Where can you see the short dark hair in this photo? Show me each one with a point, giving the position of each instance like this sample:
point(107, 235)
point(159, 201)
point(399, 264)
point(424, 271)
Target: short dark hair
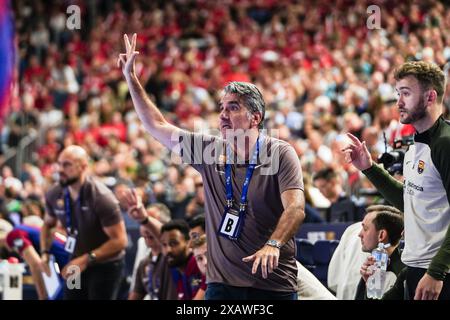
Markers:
point(326, 174)
point(391, 222)
point(177, 224)
point(382, 207)
point(250, 95)
point(429, 75)
point(198, 220)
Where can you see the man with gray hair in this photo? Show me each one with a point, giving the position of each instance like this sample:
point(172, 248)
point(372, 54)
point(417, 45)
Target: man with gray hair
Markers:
point(255, 205)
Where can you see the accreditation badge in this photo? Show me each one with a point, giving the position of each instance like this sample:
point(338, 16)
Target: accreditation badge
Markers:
point(70, 243)
point(230, 225)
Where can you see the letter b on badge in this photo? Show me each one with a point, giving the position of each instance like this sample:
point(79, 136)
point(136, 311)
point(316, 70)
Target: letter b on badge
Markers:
point(70, 244)
point(229, 224)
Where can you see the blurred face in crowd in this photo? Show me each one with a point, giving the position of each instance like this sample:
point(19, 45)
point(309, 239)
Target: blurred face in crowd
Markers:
point(411, 100)
point(329, 188)
point(200, 257)
point(71, 165)
point(175, 247)
point(368, 234)
point(195, 233)
point(234, 115)
point(150, 240)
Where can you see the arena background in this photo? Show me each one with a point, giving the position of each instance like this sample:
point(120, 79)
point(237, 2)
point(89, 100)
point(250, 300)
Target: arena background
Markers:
point(325, 68)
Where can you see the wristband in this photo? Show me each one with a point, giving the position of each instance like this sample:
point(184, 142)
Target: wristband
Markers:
point(145, 221)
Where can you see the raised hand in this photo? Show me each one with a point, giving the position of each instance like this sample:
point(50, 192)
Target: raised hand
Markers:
point(132, 202)
point(127, 60)
point(357, 153)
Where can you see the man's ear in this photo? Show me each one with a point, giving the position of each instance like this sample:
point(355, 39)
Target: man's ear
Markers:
point(382, 235)
point(256, 119)
point(431, 97)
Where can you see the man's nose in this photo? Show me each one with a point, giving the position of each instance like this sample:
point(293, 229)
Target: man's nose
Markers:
point(224, 114)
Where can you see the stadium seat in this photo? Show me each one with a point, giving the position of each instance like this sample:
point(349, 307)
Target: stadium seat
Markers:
point(304, 253)
point(322, 252)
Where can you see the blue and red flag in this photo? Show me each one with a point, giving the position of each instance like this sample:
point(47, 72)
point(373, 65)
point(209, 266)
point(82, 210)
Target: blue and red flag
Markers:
point(7, 56)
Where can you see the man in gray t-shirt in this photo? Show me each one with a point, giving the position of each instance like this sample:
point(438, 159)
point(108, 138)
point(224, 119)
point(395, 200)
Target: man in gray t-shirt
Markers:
point(253, 191)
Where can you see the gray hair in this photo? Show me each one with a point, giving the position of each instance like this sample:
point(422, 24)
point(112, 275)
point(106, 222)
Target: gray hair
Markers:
point(251, 96)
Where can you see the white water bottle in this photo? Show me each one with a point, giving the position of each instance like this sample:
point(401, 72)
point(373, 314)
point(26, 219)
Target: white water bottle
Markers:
point(375, 282)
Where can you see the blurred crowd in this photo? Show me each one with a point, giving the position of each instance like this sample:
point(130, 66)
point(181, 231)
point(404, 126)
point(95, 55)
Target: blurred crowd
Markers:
point(322, 72)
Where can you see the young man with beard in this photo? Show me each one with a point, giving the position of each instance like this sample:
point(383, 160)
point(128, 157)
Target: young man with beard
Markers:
point(254, 200)
point(174, 239)
point(191, 284)
point(424, 196)
point(96, 236)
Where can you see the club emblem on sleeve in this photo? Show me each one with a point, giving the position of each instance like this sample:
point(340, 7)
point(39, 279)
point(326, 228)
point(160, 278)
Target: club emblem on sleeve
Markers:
point(420, 167)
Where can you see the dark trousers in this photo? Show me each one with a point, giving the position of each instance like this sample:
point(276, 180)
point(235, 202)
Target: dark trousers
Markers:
point(98, 282)
point(220, 291)
point(413, 276)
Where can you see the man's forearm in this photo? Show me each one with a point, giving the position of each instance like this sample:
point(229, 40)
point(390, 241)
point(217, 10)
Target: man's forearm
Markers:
point(390, 189)
point(46, 238)
point(289, 222)
point(153, 225)
point(109, 249)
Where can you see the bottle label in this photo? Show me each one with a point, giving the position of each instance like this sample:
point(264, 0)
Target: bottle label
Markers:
point(381, 259)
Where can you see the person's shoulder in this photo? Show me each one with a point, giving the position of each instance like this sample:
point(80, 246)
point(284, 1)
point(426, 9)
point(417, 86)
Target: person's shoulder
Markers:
point(275, 141)
point(442, 135)
point(440, 146)
point(352, 230)
point(203, 136)
point(442, 140)
point(54, 192)
point(277, 145)
point(98, 187)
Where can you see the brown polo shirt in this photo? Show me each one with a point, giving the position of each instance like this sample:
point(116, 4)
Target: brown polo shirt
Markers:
point(278, 172)
point(96, 208)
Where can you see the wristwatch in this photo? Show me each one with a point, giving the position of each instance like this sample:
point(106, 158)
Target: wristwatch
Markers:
point(273, 243)
point(92, 258)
